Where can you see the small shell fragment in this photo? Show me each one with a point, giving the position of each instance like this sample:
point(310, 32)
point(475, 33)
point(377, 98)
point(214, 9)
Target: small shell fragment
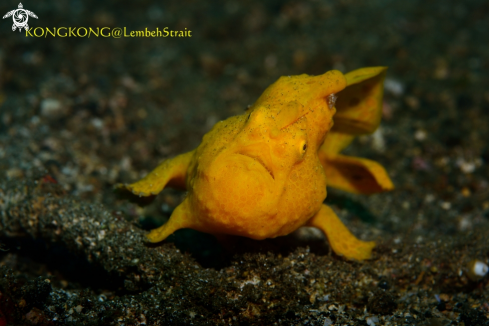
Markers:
point(331, 99)
point(477, 269)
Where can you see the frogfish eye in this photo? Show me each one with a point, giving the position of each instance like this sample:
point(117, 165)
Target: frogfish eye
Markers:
point(304, 147)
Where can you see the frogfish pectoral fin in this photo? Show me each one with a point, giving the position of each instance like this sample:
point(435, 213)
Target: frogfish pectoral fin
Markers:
point(171, 173)
point(342, 241)
point(354, 174)
point(180, 218)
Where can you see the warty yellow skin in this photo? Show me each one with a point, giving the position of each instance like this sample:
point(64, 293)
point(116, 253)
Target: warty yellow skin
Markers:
point(264, 173)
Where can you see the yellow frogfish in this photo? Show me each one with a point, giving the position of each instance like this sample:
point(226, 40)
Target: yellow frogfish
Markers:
point(263, 174)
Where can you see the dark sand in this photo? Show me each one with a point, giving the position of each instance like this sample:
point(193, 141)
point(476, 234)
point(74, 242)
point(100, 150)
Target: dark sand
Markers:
point(78, 115)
